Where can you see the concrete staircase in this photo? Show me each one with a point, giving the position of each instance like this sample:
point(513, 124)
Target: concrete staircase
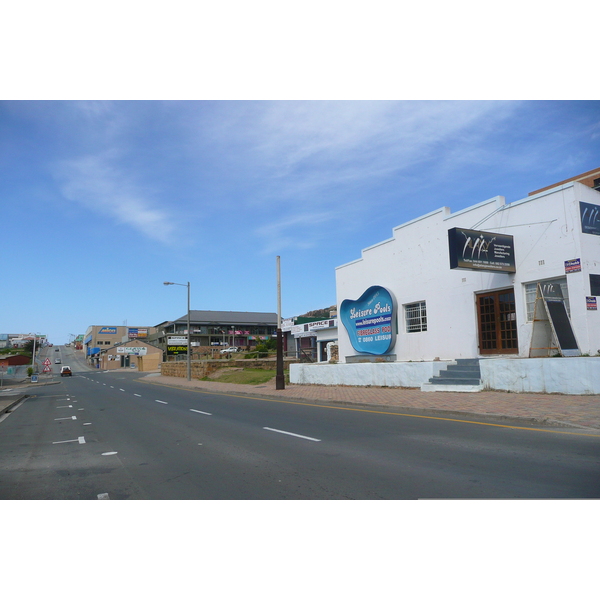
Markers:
point(462, 376)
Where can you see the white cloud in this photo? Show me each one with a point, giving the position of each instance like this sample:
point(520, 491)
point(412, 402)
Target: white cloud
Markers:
point(293, 231)
point(96, 184)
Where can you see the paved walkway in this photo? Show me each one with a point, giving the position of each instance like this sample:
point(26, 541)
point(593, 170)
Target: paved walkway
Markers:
point(578, 411)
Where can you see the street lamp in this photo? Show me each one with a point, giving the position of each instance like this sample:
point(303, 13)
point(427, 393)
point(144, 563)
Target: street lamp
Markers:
point(189, 345)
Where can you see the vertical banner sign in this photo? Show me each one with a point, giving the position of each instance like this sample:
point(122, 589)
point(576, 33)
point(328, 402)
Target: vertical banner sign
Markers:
point(371, 321)
point(590, 218)
point(481, 250)
point(559, 319)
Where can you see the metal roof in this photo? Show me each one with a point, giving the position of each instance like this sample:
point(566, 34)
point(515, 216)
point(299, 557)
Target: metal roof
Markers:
point(225, 317)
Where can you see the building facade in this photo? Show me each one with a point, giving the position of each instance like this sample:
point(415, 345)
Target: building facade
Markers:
point(215, 329)
point(100, 337)
point(480, 282)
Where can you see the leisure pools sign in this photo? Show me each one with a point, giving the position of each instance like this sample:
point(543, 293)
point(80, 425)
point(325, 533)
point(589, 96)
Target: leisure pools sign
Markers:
point(371, 321)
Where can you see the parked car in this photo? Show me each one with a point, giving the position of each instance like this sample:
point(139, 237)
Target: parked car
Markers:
point(230, 349)
point(65, 371)
point(57, 361)
point(56, 349)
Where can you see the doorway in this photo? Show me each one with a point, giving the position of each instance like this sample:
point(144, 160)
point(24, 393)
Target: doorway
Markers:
point(497, 318)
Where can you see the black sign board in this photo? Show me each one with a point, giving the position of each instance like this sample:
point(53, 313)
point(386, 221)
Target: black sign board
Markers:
point(590, 218)
point(594, 285)
point(481, 250)
point(557, 314)
point(175, 350)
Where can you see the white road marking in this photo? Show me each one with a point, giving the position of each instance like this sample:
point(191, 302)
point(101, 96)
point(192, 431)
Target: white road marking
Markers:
point(294, 434)
point(161, 401)
point(108, 453)
point(103, 497)
point(112, 386)
point(87, 423)
point(80, 439)
point(201, 412)
point(69, 406)
point(138, 395)
point(122, 389)
point(65, 418)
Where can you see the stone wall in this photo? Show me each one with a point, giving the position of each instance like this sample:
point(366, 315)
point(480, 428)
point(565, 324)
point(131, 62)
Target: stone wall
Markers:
point(204, 368)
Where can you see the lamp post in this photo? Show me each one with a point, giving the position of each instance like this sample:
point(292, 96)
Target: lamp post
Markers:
point(189, 344)
point(33, 354)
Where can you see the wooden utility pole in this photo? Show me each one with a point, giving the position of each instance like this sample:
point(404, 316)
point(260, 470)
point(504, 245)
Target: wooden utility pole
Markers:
point(279, 376)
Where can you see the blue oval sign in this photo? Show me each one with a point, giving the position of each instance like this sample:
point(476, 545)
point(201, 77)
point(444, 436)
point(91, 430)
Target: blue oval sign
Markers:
point(370, 321)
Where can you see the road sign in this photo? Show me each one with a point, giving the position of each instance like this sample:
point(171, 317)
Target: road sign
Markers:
point(47, 369)
point(47, 362)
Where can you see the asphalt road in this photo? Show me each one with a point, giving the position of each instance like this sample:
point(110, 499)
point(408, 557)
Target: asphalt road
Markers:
point(100, 435)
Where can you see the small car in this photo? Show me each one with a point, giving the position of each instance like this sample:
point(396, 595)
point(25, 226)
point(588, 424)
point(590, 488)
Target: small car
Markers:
point(230, 349)
point(65, 371)
point(56, 349)
point(57, 361)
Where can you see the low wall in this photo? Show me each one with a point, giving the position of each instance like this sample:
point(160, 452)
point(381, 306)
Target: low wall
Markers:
point(203, 368)
point(576, 375)
point(573, 375)
point(398, 374)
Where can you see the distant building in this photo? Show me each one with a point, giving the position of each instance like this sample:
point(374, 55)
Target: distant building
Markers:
point(309, 339)
point(214, 329)
point(100, 337)
point(134, 353)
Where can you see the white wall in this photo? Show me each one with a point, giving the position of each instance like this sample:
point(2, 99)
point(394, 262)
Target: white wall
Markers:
point(579, 375)
point(414, 266)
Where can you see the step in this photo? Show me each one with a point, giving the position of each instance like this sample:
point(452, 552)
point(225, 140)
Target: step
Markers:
point(455, 380)
point(431, 387)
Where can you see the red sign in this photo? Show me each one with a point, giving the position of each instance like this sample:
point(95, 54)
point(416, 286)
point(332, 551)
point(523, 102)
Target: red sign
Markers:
point(47, 369)
point(46, 362)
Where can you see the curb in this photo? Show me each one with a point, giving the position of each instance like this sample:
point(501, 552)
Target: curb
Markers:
point(8, 407)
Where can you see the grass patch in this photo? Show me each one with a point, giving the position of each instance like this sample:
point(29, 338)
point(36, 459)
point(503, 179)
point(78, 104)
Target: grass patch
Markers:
point(247, 376)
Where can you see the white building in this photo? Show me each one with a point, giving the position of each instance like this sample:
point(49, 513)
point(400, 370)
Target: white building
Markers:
point(463, 285)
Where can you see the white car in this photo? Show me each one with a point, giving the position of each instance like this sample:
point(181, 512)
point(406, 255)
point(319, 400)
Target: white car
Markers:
point(230, 349)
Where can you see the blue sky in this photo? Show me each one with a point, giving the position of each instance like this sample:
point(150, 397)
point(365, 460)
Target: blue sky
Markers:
point(102, 201)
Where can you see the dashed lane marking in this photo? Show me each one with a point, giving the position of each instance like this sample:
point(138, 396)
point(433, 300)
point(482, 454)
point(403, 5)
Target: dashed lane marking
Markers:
point(305, 437)
point(80, 439)
point(201, 412)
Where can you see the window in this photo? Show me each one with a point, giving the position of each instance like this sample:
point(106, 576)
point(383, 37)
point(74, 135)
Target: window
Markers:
point(416, 317)
point(531, 290)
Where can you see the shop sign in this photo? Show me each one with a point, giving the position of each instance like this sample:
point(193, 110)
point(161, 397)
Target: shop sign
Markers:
point(180, 340)
point(590, 218)
point(481, 250)
point(138, 351)
point(135, 332)
point(173, 350)
point(573, 266)
point(371, 321)
point(591, 303)
point(321, 324)
point(107, 330)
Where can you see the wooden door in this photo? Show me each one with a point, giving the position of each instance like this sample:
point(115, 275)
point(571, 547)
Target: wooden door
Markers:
point(497, 322)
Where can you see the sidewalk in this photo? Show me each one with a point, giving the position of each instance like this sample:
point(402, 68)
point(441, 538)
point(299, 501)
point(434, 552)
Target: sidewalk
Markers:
point(571, 411)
